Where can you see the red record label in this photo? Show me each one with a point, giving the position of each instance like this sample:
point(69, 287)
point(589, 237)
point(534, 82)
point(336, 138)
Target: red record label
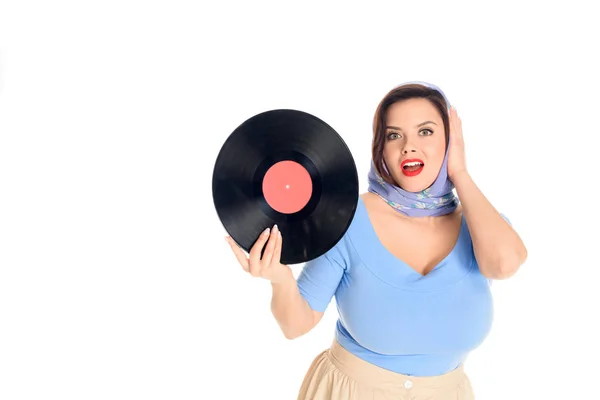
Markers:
point(287, 187)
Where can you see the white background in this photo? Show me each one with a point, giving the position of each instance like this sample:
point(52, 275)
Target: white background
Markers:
point(115, 279)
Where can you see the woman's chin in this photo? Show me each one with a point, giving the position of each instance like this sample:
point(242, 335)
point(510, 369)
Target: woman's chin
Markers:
point(413, 186)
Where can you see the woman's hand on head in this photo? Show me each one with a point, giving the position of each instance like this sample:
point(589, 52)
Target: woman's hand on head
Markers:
point(267, 266)
point(457, 164)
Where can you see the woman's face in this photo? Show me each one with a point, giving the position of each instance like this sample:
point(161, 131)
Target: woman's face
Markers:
point(415, 143)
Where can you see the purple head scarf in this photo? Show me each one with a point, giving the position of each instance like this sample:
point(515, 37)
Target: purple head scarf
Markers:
point(436, 200)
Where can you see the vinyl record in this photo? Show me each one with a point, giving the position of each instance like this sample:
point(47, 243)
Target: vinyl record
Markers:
point(289, 168)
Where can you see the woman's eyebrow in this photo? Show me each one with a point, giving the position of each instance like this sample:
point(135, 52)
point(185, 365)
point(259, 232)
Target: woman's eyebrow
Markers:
point(421, 124)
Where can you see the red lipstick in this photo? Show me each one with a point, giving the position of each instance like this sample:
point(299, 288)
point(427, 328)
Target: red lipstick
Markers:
point(412, 170)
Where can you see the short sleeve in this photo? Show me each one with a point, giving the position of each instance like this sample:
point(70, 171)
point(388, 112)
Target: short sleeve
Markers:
point(320, 278)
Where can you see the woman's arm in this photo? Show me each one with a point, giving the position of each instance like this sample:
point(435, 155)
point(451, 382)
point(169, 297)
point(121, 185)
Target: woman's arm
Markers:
point(498, 248)
point(291, 310)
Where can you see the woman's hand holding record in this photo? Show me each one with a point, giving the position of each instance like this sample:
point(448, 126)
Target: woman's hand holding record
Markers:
point(266, 265)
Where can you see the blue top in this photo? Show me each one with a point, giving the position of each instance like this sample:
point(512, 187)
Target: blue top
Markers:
point(392, 316)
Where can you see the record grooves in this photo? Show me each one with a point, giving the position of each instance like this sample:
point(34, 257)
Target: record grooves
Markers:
point(289, 168)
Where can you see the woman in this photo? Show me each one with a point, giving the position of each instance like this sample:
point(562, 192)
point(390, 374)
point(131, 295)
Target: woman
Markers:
point(411, 275)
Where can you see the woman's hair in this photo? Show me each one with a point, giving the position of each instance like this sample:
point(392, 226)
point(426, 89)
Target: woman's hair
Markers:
point(404, 92)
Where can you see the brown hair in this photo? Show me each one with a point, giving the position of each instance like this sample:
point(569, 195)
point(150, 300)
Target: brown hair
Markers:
point(404, 92)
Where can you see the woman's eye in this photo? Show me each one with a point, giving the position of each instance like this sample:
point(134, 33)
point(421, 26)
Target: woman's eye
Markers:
point(429, 131)
point(393, 135)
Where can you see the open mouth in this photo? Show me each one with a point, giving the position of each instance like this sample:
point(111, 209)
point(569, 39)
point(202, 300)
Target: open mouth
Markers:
point(412, 167)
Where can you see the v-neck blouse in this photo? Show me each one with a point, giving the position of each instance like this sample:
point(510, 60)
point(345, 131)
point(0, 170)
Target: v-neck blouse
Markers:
point(393, 316)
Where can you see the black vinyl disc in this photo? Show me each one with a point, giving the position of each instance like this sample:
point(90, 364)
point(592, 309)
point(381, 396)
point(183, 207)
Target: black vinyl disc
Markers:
point(289, 168)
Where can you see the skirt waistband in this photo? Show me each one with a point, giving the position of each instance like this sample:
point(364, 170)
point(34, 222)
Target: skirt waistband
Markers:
point(375, 376)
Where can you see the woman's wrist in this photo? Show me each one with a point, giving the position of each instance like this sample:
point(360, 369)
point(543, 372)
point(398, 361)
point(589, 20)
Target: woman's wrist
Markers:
point(285, 278)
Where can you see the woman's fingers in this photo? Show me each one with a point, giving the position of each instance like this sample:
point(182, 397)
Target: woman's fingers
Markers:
point(256, 251)
point(277, 251)
point(258, 262)
point(268, 254)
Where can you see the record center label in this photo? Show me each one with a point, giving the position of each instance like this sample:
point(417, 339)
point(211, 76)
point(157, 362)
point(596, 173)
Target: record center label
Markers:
point(287, 187)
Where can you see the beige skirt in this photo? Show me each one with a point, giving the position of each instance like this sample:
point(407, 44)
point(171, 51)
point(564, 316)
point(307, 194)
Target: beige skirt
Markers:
point(337, 374)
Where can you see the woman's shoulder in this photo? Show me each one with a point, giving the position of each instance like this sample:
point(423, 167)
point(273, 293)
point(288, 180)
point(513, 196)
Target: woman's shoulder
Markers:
point(370, 199)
